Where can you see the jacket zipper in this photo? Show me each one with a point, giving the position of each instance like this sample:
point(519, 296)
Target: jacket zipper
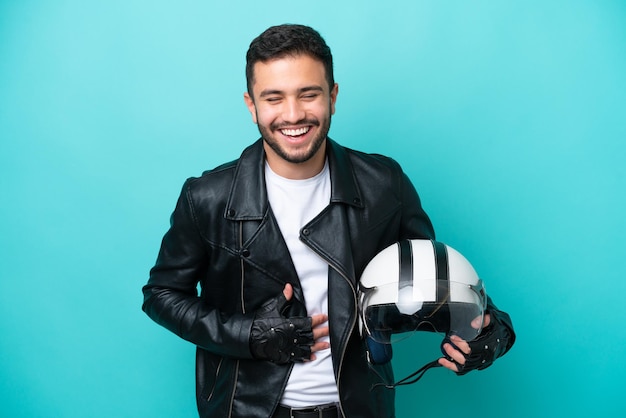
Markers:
point(352, 324)
point(232, 398)
point(243, 306)
point(343, 350)
point(243, 310)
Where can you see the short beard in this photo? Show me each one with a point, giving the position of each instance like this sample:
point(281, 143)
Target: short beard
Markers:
point(299, 158)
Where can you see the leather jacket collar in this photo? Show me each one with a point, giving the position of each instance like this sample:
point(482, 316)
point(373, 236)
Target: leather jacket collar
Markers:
point(248, 197)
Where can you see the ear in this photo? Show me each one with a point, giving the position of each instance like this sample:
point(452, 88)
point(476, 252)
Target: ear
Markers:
point(250, 105)
point(333, 98)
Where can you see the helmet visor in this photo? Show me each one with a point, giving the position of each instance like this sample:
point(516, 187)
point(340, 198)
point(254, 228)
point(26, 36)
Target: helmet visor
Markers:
point(389, 314)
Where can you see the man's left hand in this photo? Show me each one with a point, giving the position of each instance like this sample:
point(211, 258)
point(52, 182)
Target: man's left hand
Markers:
point(458, 355)
point(463, 357)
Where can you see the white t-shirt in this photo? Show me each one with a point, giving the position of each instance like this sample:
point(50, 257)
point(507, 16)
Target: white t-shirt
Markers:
point(295, 203)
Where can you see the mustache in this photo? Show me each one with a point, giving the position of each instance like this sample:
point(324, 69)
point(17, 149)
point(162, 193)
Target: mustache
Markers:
point(306, 121)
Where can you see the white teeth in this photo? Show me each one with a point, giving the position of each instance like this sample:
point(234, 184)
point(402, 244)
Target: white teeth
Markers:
point(294, 132)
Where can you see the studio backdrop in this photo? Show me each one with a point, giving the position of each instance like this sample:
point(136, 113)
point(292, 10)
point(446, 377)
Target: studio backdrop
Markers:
point(508, 117)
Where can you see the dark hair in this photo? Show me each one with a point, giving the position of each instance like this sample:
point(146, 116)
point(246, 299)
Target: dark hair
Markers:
point(288, 40)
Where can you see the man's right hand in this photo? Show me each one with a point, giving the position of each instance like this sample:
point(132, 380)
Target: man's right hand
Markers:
point(279, 339)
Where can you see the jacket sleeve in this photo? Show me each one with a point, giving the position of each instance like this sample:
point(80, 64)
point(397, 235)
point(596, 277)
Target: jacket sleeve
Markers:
point(171, 297)
point(501, 319)
point(415, 223)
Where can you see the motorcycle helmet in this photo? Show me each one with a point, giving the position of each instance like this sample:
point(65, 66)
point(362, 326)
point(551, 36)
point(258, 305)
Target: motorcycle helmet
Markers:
point(418, 285)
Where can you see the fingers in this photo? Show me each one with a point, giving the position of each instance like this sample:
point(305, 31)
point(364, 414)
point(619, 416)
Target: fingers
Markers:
point(455, 355)
point(318, 346)
point(288, 291)
point(448, 364)
point(460, 344)
point(318, 319)
point(319, 332)
point(478, 321)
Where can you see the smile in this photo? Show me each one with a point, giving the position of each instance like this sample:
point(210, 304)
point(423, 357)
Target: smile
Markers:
point(295, 132)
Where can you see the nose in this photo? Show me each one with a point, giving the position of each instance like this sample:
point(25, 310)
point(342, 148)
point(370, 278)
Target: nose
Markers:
point(293, 111)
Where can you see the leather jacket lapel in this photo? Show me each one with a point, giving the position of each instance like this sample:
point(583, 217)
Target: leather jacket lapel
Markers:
point(265, 249)
point(247, 199)
point(329, 237)
point(344, 188)
point(261, 242)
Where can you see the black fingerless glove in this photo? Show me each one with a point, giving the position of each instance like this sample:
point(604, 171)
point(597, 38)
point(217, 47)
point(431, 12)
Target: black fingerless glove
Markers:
point(279, 339)
point(485, 349)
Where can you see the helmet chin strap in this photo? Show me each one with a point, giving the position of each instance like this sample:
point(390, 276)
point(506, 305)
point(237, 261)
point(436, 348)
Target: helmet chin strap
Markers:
point(412, 378)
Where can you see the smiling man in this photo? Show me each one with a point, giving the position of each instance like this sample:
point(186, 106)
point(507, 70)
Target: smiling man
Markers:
point(292, 101)
point(277, 241)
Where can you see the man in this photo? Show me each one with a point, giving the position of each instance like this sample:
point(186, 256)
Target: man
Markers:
point(277, 240)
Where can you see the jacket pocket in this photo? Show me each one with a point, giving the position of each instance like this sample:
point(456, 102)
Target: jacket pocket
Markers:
point(212, 376)
point(209, 390)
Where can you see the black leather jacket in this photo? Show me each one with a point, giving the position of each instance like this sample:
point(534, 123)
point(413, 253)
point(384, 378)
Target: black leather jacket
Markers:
point(224, 236)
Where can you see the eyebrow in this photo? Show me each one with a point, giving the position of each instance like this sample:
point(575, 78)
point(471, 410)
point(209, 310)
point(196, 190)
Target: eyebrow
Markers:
point(266, 93)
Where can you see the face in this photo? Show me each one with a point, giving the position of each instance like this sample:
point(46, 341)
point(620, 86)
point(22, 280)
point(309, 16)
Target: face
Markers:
point(292, 105)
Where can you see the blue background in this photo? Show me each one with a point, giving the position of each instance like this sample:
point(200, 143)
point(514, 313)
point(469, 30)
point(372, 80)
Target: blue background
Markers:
point(509, 117)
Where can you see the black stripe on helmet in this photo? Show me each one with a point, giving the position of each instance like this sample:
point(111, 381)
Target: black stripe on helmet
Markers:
point(405, 250)
point(442, 271)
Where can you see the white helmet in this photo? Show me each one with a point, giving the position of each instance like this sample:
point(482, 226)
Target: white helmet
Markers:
point(420, 285)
